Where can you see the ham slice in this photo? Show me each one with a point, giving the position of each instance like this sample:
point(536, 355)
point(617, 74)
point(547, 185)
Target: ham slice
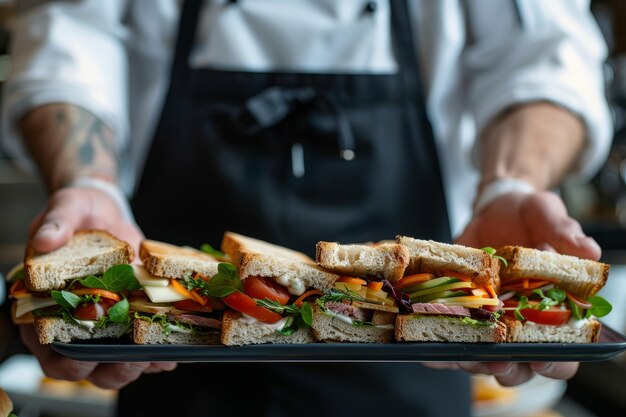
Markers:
point(440, 309)
point(195, 320)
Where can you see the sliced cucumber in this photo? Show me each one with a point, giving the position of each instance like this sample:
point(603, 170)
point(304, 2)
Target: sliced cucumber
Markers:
point(441, 294)
point(429, 284)
point(452, 286)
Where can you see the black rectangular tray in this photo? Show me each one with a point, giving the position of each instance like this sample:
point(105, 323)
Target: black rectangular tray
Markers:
point(611, 344)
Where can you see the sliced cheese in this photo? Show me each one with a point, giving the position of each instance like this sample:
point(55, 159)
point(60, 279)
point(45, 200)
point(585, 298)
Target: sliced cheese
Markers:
point(146, 279)
point(163, 294)
point(28, 304)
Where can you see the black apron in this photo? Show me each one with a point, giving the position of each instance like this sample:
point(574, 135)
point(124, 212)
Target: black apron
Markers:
point(294, 159)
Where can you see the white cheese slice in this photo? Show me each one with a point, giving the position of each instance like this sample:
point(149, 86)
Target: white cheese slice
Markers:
point(163, 294)
point(146, 279)
point(30, 303)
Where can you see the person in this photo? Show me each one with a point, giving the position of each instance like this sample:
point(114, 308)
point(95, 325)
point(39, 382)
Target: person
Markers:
point(302, 121)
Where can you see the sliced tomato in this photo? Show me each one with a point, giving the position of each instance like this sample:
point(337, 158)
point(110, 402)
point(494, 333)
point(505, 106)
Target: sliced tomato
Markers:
point(191, 305)
point(413, 279)
point(352, 280)
point(553, 316)
point(262, 288)
point(93, 311)
point(246, 305)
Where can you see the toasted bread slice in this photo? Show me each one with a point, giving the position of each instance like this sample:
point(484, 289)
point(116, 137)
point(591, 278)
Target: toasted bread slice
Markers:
point(237, 332)
point(233, 244)
point(89, 252)
point(581, 277)
point(427, 328)
point(386, 259)
point(170, 261)
point(55, 329)
point(523, 332)
point(146, 333)
point(6, 405)
point(254, 257)
point(329, 328)
point(430, 256)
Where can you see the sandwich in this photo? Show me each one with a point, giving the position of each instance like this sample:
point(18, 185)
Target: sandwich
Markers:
point(266, 290)
point(448, 294)
point(6, 405)
point(76, 292)
point(175, 306)
point(550, 297)
point(359, 307)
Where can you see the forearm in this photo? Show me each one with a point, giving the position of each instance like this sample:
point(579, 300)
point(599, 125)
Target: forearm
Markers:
point(67, 142)
point(538, 143)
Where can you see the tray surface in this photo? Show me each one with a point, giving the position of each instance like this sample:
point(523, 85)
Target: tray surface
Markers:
point(611, 344)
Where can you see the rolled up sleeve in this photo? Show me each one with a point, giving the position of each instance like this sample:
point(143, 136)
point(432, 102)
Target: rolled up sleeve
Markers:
point(68, 52)
point(539, 50)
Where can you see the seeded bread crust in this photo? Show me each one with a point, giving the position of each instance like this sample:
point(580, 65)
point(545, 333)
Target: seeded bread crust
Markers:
point(89, 252)
point(326, 328)
point(236, 332)
point(527, 332)
point(55, 329)
point(427, 328)
point(386, 259)
point(582, 277)
point(170, 261)
point(146, 333)
point(432, 257)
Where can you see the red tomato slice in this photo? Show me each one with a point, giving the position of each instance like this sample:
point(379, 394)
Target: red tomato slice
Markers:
point(246, 305)
point(553, 316)
point(191, 305)
point(262, 288)
point(93, 311)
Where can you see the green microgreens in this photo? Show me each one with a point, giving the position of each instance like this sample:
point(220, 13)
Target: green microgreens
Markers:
point(297, 317)
point(210, 250)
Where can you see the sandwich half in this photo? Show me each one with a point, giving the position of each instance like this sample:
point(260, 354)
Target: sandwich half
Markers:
point(550, 297)
point(76, 292)
point(359, 307)
point(448, 294)
point(266, 290)
point(175, 306)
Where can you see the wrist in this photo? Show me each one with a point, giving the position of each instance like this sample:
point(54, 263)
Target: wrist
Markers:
point(488, 192)
point(110, 189)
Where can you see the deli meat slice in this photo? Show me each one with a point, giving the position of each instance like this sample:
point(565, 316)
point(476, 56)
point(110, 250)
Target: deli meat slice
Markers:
point(353, 312)
point(195, 320)
point(440, 309)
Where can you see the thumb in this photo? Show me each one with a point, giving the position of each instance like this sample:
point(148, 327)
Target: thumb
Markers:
point(58, 224)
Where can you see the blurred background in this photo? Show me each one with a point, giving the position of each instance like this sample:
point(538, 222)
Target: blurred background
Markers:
point(600, 205)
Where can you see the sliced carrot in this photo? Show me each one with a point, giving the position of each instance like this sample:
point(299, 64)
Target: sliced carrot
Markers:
point(375, 285)
point(413, 279)
point(202, 276)
point(17, 289)
point(525, 283)
point(306, 295)
point(457, 275)
point(520, 280)
point(352, 280)
point(491, 291)
point(98, 291)
point(193, 295)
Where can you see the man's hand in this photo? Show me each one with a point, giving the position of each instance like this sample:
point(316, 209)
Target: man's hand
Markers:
point(70, 210)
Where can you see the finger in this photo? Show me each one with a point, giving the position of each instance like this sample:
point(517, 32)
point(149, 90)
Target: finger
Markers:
point(53, 364)
point(545, 247)
point(512, 374)
point(117, 375)
point(441, 365)
point(157, 367)
point(555, 370)
point(36, 223)
point(59, 224)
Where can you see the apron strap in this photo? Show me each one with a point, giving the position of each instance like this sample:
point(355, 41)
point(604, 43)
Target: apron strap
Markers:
point(187, 26)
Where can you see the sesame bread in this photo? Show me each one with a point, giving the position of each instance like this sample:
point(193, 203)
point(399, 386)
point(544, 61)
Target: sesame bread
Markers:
point(427, 328)
point(582, 277)
point(55, 329)
point(524, 332)
point(147, 333)
point(387, 259)
point(89, 252)
point(170, 261)
point(237, 332)
point(329, 328)
point(430, 256)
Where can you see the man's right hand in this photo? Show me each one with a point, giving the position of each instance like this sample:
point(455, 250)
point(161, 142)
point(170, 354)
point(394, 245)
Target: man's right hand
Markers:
point(70, 210)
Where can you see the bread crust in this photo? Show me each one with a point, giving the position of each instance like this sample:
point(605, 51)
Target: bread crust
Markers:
point(55, 329)
point(326, 328)
point(147, 333)
point(387, 259)
point(429, 328)
point(170, 261)
point(528, 332)
point(581, 277)
point(42, 272)
point(234, 243)
point(236, 332)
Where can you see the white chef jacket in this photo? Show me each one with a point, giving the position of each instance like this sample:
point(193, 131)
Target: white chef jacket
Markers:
point(477, 58)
